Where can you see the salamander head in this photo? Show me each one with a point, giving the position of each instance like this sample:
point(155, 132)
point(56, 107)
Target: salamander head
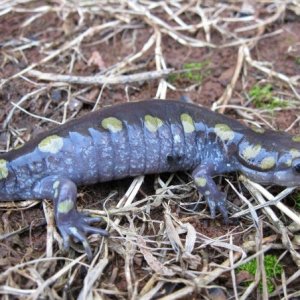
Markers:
point(287, 171)
point(270, 158)
point(290, 176)
point(278, 174)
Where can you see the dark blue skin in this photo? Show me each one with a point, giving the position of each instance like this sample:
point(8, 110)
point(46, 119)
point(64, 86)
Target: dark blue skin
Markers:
point(142, 138)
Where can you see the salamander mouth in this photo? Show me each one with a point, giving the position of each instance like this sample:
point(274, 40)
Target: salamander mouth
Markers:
point(265, 178)
point(286, 178)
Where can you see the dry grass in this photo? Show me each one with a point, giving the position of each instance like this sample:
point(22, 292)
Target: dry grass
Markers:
point(157, 249)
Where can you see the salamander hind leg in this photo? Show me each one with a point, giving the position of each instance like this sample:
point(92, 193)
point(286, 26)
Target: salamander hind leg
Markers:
point(215, 199)
point(70, 222)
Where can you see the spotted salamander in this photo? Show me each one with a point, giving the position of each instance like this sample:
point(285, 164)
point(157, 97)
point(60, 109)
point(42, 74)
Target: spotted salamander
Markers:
point(143, 138)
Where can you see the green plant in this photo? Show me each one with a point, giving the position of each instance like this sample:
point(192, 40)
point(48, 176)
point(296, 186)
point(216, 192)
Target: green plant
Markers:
point(262, 97)
point(194, 72)
point(297, 201)
point(297, 60)
point(272, 269)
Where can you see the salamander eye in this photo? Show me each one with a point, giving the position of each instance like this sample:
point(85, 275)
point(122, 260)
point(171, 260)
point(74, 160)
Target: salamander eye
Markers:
point(296, 165)
point(297, 168)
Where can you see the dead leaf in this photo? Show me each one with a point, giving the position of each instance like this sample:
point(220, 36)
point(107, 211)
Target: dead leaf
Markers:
point(173, 234)
point(153, 263)
point(68, 26)
point(190, 238)
point(96, 59)
point(244, 276)
point(216, 294)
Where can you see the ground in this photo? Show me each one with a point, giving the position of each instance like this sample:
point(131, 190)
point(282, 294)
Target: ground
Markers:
point(240, 58)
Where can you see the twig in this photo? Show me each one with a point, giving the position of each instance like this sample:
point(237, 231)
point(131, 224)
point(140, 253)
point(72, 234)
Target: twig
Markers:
point(287, 211)
point(101, 79)
point(17, 105)
point(258, 65)
point(223, 100)
point(68, 45)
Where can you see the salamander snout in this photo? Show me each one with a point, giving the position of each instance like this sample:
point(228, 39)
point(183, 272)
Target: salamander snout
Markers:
point(296, 166)
point(289, 176)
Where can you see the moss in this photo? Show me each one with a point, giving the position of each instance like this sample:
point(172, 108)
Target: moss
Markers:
point(262, 97)
point(194, 72)
point(272, 269)
point(297, 201)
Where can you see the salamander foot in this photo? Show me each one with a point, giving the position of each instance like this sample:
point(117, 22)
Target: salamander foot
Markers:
point(77, 227)
point(218, 204)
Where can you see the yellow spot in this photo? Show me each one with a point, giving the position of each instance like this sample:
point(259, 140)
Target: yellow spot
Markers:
point(56, 184)
point(288, 162)
point(177, 138)
point(200, 181)
point(3, 169)
point(296, 138)
point(187, 123)
point(257, 129)
point(55, 187)
point(52, 144)
point(65, 206)
point(267, 163)
point(295, 153)
point(251, 151)
point(224, 132)
point(112, 124)
point(153, 123)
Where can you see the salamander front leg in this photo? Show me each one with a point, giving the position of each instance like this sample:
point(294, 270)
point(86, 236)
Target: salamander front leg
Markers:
point(69, 221)
point(215, 199)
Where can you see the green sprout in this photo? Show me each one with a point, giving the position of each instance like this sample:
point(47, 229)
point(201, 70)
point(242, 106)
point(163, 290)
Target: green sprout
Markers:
point(194, 72)
point(262, 97)
point(297, 201)
point(272, 269)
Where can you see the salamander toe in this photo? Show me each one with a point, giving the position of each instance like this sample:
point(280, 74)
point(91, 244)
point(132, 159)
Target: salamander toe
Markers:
point(77, 228)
